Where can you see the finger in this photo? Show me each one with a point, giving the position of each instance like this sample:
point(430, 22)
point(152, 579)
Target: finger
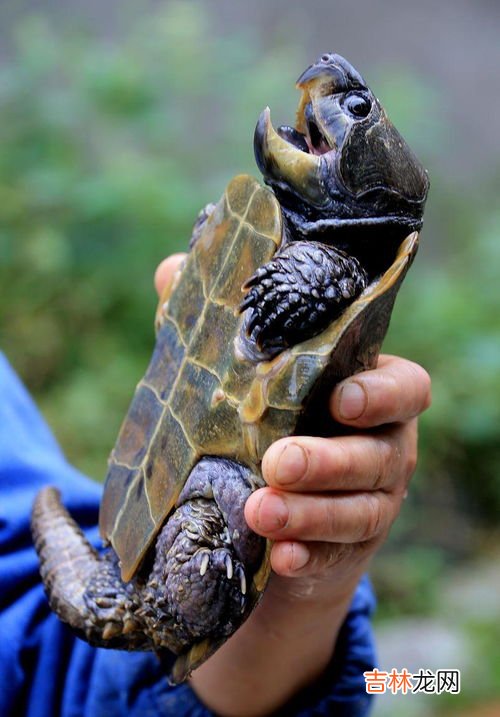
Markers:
point(297, 559)
point(396, 390)
point(165, 271)
point(342, 518)
point(376, 461)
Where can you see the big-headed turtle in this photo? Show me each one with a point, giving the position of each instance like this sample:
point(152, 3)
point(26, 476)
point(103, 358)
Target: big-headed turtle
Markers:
point(321, 255)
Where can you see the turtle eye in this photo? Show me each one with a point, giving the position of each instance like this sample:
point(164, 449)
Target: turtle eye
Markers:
point(357, 105)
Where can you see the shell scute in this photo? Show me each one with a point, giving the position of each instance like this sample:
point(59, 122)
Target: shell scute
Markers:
point(239, 193)
point(187, 301)
point(209, 347)
point(135, 528)
point(118, 482)
point(262, 216)
point(249, 249)
point(213, 425)
point(167, 357)
point(138, 428)
point(275, 424)
point(170, 456)
point(213, 248)
point(289, 388)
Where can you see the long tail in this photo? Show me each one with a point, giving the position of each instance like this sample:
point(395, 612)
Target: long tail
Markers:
point(83, 588)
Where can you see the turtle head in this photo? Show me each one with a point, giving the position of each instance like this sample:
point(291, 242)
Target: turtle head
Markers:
point(344, 164)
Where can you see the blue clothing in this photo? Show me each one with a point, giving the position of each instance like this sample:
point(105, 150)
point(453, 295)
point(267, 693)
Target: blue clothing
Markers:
point(45, 671)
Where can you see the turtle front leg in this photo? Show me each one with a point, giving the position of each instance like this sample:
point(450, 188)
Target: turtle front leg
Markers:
point(298, 293)
point(207, 555)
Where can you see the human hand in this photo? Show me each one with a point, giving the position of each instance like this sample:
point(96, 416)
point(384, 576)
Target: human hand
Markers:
point(331, 501)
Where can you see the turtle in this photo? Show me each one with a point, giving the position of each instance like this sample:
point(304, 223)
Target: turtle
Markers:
point(287, 289)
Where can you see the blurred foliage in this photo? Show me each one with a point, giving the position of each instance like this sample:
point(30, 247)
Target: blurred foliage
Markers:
point(109, 151)
point(447, 319)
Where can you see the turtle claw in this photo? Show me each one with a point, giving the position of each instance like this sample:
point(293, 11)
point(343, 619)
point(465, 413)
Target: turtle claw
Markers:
point(205, 561)
point(249, 300)
point(111, 629)
point(221, 559)
point(229, 566)
point(242, 579)
point(261, 273)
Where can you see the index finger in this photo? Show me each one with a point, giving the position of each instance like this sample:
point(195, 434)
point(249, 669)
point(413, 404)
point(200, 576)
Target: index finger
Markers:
point(395, 391)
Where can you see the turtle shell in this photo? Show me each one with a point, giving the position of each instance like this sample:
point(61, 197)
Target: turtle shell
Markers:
point(203, 396)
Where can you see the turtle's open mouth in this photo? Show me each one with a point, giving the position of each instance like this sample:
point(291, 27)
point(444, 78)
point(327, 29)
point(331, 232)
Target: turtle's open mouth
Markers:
point(313, 141)
point(307, 135)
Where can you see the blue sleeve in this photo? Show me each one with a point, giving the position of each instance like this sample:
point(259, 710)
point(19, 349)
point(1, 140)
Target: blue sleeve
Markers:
point(44, 670)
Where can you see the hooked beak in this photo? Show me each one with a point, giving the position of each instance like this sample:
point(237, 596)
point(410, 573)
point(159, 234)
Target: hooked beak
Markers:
point(298, 159)
point(287, 165)
point(344, 157)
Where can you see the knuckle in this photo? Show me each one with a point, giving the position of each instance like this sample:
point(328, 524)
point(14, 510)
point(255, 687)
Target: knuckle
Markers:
point(343, 463)
point(374, 517)
point(332, 554)
point(330, 515)
point(384, 458)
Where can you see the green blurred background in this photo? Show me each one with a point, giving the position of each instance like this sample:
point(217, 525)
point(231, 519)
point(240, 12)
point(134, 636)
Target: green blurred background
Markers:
point(119, 124)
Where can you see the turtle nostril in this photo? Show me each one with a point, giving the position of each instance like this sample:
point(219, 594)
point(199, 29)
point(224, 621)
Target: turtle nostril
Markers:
point(325, 58)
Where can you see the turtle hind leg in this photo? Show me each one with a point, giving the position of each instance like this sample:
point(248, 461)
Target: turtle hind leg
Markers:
point(206, 555)
point(83, 588)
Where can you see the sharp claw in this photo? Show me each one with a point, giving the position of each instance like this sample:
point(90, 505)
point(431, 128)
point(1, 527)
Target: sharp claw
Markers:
point(253, 324)
point(249, 283)
point(243, 580)
point(259, 342)
point(256, 336)
point(229, 567)
point(246, 302)
point(204, 563)
point(104, 602)
point(254, 279)
point(111, 629)
point(130, 625)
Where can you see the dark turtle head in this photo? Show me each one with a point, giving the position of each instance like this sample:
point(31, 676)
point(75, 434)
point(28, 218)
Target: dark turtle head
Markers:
point(344, 165)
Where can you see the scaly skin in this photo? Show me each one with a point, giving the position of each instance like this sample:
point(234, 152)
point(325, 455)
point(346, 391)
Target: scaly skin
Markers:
point(305, 287)
point(196, 584)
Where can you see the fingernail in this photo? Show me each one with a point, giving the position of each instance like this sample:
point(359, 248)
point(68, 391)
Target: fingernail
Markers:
point(352, 402)
point(300, 556)
point(272, 513)
point(291, 465)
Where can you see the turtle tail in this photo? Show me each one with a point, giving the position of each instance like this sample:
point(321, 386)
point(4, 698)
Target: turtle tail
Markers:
point(83, 587)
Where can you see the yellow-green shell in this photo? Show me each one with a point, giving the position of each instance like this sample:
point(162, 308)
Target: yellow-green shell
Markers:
point(200, 395)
